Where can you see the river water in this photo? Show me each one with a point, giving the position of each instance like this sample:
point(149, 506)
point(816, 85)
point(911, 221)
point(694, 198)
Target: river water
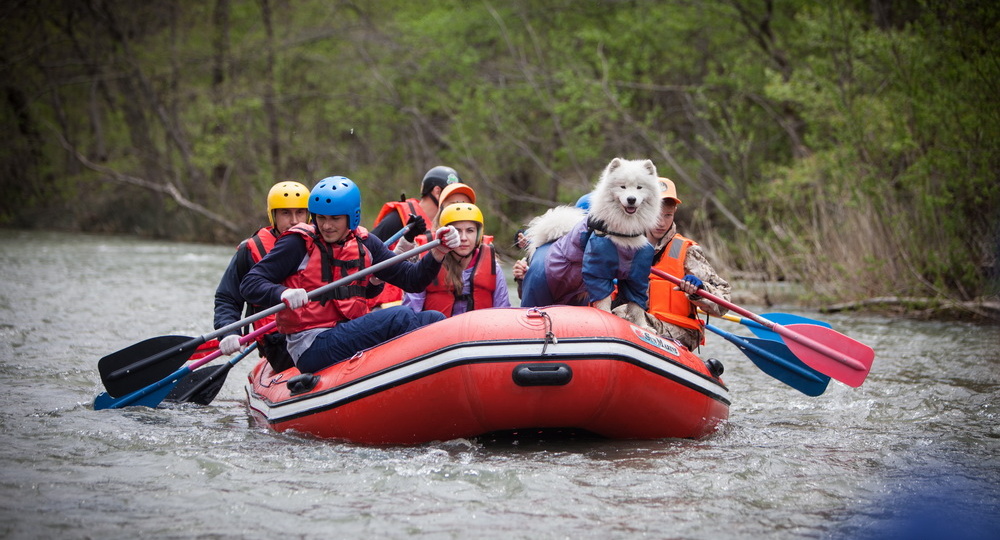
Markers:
point(914, 450)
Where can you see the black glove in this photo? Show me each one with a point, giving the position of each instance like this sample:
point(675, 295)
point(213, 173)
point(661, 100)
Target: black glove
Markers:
point(417, 226)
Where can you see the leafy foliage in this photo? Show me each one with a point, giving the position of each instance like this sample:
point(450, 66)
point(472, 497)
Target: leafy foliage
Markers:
point(850, 145)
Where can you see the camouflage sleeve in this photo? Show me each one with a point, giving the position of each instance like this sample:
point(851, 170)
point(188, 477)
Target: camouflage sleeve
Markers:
point(697, 263)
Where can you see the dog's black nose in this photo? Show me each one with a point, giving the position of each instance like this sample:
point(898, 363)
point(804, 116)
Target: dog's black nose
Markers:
point(631, 201)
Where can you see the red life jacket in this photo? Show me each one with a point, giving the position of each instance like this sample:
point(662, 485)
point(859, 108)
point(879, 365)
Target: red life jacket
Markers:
point(326, 263)
point(257, 245)
point(404, 209)
point(392, 294)
point(665, 303)
point(441, 297)
point(261, 243)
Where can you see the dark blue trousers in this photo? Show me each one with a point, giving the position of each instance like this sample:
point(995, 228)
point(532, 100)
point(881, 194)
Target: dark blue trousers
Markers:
point(342, 341)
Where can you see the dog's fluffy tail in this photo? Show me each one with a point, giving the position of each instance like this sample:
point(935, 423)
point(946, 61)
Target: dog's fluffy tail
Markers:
point(552, 225)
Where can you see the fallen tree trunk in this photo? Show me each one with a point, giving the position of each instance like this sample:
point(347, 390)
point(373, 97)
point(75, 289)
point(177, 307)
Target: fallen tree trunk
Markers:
point(923, 307)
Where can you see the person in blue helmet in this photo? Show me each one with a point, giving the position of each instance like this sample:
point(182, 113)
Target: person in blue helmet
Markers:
point(331, 329)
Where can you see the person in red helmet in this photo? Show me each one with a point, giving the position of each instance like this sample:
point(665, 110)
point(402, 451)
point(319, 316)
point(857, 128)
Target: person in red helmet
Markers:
point(418, 214)
point(673, 310)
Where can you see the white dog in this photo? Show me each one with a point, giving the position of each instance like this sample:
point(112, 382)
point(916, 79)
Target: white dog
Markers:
point(576, 257)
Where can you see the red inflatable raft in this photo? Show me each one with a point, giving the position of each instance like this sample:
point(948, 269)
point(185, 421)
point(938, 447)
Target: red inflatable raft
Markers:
point(497, 370)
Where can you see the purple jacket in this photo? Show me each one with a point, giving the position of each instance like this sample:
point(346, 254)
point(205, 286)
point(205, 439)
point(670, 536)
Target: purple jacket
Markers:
point(584, 261)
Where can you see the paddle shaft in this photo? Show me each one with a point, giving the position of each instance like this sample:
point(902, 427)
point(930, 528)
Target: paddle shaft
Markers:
point(243, 340)
point(315, 293)
point(741, 320)
point(399, 234)
point(780, 330)
point(213, 381)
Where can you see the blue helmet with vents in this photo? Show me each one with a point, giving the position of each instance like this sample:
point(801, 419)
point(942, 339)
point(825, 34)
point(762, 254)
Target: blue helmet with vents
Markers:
point(337, 196)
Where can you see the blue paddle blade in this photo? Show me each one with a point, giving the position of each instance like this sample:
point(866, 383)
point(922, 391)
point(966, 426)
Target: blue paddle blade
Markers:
point(104, 401)
point(775, 359)
point(783, 319)
point(149, 396)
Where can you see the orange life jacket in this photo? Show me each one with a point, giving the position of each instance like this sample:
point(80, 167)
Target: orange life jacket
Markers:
point(327, 263)
point(404, 209)
point(441, 297)
point(665, 303)
point(391, 293)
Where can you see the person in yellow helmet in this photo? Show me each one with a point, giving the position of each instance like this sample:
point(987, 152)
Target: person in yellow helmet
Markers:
point(672, 311)
point(441, 186)
point(470, 277)
point(453, 193)
point(287, 206)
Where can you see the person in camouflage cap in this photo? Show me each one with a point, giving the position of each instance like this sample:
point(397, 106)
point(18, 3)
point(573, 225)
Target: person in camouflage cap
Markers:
point(672, 310)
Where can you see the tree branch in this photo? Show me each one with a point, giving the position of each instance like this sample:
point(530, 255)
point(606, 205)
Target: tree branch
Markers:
point(167, 187)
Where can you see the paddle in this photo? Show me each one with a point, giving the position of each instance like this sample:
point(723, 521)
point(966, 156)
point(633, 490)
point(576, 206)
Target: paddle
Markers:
point(775, 359)
point(153, 394)
point(399, 234)
point(205, 349)
point(203, 385)
point(149, 361)
point(821, 348)
point(783, 319)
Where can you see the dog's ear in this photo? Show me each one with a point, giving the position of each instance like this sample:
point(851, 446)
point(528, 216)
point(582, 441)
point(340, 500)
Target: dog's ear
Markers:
point(615, 163)
point(648, 164)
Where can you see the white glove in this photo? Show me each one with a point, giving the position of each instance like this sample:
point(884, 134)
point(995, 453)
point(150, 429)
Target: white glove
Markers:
point(448, 237)
point(403, 246)
point(231, 344)
point(295, 298)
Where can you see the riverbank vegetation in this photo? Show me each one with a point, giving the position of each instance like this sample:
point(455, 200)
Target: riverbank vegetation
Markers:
point(850, 146)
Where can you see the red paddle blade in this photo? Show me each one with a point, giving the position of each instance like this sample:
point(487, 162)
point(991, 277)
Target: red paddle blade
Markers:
point(205, 349)
point(830, 352)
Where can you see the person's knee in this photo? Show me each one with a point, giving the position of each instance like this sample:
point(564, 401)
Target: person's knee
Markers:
point(405, 319)
point(428, 317)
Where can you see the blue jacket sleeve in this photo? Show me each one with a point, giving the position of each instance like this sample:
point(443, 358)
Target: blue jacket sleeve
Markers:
point(228, 300)
point(411, 277)
point(600, 267)
point(636, 287)
point(263, 283)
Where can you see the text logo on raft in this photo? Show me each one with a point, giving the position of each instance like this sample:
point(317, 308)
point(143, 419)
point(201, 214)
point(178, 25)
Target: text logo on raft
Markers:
point(656, 341)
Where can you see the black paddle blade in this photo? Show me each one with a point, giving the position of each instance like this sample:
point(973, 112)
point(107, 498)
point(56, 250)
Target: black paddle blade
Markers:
point(144, 363)
point(201, 386)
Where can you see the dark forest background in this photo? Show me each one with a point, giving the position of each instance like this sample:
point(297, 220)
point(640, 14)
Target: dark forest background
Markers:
point(849, 145)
